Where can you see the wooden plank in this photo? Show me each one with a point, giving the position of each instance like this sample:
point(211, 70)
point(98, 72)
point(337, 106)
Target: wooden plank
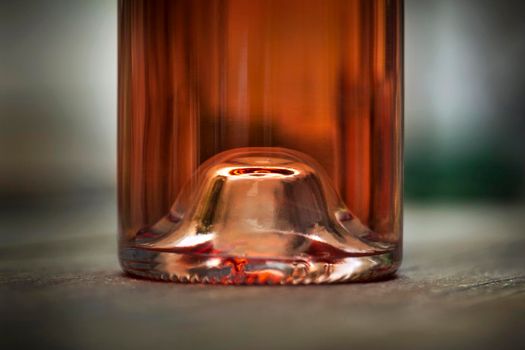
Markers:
point(461, 286)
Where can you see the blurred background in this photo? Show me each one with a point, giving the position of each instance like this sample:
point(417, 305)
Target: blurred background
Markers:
point(464, 112)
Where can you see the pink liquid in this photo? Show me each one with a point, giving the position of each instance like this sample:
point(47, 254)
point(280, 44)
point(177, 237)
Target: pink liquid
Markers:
point(197, 78)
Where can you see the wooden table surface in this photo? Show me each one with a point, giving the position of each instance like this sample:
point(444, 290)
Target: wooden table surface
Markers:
point(461, 286)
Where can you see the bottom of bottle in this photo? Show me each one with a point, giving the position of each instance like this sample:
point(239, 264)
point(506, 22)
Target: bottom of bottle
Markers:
point(210, 269)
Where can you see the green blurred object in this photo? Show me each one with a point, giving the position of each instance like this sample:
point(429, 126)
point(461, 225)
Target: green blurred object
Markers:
point(484, 175)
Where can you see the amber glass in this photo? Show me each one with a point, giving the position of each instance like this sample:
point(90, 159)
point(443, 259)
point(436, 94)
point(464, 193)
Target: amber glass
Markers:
point(302, 98)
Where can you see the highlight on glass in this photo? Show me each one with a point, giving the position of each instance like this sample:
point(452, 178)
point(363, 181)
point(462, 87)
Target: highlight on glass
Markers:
point(260, 142)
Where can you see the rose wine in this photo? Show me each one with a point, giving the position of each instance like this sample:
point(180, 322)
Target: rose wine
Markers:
point(260, 141)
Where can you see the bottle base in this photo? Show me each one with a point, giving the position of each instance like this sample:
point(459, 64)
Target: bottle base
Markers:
point(259, 216)
point(229, 270)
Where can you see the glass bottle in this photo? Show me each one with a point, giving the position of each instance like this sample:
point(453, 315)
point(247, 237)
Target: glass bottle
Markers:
point(260, 142)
